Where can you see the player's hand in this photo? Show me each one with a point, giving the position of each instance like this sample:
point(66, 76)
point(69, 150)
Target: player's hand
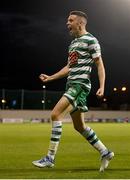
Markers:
point(100, 93)
point(44, 77)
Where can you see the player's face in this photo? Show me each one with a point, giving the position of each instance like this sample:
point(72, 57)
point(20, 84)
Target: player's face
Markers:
point(73, 25)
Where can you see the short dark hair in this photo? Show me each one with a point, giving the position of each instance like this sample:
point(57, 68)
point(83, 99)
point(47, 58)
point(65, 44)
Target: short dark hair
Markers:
point(79, 13)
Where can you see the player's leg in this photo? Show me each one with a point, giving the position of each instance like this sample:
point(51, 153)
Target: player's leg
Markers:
point(59, 111)
point(78, 121)
point(62, 107)
point(91, 137)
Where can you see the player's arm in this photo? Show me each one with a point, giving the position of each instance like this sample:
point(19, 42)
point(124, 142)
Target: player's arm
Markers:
point(60, 74)
point(101, 75)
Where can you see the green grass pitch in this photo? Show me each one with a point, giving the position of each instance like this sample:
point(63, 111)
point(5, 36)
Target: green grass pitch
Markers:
point(20, 144)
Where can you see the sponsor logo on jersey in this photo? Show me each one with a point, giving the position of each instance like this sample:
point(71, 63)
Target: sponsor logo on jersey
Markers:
point(73, 58)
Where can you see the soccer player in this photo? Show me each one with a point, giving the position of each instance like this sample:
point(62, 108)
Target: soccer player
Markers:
point(84, 51)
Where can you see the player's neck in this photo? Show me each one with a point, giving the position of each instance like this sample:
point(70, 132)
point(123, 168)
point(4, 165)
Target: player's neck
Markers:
point(82, 32)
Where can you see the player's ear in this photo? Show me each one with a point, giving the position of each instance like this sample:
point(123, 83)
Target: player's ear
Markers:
point(80, 21)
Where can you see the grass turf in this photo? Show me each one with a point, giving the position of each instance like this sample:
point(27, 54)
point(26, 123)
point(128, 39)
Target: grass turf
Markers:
point(20, 144)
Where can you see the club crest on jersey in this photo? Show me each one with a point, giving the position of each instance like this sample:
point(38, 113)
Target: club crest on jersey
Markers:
point(73, 58)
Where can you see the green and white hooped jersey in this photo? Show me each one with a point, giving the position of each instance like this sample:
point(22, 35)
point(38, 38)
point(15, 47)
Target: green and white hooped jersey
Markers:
point(82, 51)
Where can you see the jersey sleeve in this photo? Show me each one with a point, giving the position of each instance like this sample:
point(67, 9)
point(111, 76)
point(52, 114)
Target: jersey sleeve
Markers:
point(94, 48)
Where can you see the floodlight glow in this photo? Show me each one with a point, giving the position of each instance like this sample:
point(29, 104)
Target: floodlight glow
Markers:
point(43, 101)
point(104, 99)
point(115, 89)
point(3, 101)
point(123, 88)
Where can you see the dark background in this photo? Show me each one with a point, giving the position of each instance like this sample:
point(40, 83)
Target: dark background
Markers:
point(34, 39)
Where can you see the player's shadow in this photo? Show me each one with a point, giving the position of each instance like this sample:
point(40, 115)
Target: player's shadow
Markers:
point(95, 169)
point(39, 172)
point(70, 170)
point(87, 169)
point(73, 170)
point(11, 173)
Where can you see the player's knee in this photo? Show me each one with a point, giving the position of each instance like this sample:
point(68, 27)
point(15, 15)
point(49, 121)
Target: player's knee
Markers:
point(54, 116)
